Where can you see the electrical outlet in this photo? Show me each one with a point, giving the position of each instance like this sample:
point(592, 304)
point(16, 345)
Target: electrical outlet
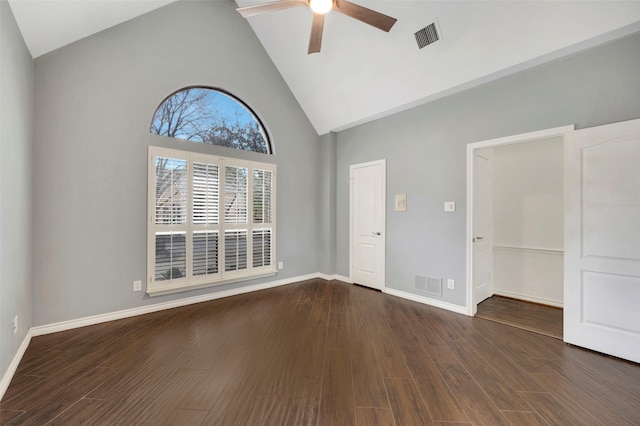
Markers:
point(137, 285)
point(450, 206)
point(451, 284)
point(14, 325)
point(280, 265)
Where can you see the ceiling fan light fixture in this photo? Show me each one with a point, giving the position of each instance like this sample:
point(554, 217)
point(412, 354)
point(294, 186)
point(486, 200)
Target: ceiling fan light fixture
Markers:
point(321, 6)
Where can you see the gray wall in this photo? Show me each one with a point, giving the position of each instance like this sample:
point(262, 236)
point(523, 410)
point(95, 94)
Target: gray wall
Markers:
point(16, 156)
point(425, 150)
point(94, 101)
point(327, 204)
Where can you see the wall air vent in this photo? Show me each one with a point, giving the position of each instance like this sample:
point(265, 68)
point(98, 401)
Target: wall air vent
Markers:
point(421, 283)
point(426, 36)
point(429, 285)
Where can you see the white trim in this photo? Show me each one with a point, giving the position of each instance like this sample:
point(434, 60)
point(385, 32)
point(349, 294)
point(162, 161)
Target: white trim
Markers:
point(538, 300)
point(470, 308)
point(524, 137)
point(11, 370)
point(325, 276)
point(127, 313)
point(183, 288)
point(426, 301)
point(528, 249)
point(342, 278)
point(97, 319)
point(335, 277)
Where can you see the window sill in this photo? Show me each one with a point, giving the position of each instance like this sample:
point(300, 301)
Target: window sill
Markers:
point(177, 289)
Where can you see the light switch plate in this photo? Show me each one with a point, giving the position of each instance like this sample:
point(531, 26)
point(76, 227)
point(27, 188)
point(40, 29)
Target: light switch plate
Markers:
point(449, 206)
point(401, 203)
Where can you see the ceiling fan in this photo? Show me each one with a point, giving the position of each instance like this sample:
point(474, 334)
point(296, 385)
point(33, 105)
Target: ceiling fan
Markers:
point(320, 8)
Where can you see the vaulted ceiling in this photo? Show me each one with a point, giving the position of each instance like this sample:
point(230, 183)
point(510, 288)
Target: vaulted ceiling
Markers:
point(363, 73)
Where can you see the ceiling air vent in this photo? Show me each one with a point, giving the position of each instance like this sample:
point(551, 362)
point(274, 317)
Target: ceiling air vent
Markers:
point(427, 36)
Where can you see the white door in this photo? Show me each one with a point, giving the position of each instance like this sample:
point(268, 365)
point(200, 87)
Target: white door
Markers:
point(368, 223)
point(602, 239)
point(483, 287)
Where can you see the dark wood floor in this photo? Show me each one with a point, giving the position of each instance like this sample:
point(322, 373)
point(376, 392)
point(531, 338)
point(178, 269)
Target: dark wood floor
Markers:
point(541, 319)
point(315, 353)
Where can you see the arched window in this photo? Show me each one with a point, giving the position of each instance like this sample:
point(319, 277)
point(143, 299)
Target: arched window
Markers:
point(212, 218)
point(211, 116)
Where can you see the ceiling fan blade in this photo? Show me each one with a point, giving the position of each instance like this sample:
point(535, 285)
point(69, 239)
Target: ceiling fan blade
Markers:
point(257, 9)
point(315, 42)
point(368, 16)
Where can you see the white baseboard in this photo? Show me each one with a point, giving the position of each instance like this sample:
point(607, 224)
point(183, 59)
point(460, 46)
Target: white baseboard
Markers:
point(126, 313)
point(425, 300)
point(11, 370)
point(332, 277)
point(405, 295)
point(326, 277)
point(111, 316)
point(343, 279)
point(539, 300)
point(335, 277)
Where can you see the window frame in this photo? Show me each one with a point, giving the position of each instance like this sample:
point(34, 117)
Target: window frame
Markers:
point(190, 281)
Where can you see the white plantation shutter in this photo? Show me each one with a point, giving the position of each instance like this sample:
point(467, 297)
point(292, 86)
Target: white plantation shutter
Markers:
point(235, 249)
point(235, 194)
point(171, 190)
point(262, 215)
point(236, 191)
point(205, 252)
point(262, 181)
point(212, 220)
point(205, 219)
point(170, 217)
point(261, 247)
point(171, 251)
point(206, 185)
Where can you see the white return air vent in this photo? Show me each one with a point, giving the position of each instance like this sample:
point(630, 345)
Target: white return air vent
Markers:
point(428, 35)
point(428, 285)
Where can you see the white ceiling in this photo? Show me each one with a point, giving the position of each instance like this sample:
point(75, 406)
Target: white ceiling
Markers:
point(47, 25)
point(363, 73)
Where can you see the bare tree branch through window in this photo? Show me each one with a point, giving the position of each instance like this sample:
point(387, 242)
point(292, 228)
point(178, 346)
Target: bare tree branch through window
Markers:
point(210, 116)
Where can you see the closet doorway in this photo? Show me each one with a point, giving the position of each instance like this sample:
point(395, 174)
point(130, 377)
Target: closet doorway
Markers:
point(524, 235)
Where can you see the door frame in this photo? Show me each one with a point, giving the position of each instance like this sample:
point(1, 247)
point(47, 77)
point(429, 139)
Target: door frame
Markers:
point(470, 307)
point(383, 213)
